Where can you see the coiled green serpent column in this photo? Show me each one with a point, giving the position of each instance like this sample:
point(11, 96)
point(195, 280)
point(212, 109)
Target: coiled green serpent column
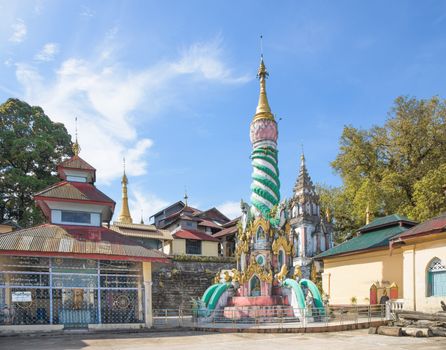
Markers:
point(265, 187)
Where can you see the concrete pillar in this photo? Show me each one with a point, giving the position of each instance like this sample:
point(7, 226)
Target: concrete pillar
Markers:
point(409, 279)
point(147, 279)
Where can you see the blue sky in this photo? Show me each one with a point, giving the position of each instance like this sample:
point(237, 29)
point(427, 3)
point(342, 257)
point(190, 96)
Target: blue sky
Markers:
point(171, 85)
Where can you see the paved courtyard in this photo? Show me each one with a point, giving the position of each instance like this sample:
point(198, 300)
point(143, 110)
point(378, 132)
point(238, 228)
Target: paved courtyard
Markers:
point(215, 341)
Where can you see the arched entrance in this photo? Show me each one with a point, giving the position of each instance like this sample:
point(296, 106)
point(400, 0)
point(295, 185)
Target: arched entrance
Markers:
point(254, 286)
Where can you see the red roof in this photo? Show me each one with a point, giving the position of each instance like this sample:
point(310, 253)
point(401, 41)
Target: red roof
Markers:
point(76, 162)
point(74, 190)
point(435, 225)
point(227, 232)
point(207, 223)
point(196, 235)
point(75, 241)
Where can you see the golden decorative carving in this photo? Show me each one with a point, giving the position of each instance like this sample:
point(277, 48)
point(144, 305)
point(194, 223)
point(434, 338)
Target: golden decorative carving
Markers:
point(260, 222)
point(282, 274)
point(217, 278)
point(242, 247)
point(281, 241)
point(235, 275)
point(227, 277)
point(254, 268)
point(297, 273)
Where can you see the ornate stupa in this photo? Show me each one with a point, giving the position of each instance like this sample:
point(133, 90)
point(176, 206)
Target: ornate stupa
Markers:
point(264, 242)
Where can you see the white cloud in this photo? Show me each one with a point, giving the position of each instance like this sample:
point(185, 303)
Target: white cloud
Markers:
point(205, 59)
point(104, 96)
point(230, 208)
point(47, 53)
point(148, 203)
point(19, 31)
point(86, 12)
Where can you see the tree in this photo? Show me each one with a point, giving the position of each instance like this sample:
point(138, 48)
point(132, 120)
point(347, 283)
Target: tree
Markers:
point(31, 146)
point(393, 168)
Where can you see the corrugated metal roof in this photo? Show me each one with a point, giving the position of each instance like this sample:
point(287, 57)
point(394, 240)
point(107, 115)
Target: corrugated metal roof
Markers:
point(196, 235)
point(385, 221)
point(370, 240)
point(76, 162)
point(74, 190)
point(140, 230)
point(58, 239)
point(434, 225)
point(226, 232)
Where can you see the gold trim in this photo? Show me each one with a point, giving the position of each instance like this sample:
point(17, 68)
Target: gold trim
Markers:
point(255, 269)
point(257, 223)
point(279, 242)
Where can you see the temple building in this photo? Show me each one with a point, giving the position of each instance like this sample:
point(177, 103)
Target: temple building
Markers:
point(194, 231)
point(312, 233)
point(391, 256)
point(73, 271)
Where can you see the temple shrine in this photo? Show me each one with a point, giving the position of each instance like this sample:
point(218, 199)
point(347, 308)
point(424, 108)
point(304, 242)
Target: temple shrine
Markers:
point(265, 282)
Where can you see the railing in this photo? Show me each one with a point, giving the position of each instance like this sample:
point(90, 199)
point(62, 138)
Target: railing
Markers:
point(274, 316)
point(392, 307)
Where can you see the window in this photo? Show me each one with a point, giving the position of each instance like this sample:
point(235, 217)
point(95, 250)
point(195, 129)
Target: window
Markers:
point(436, 278)
point(193, 247)
point(74, 178)
point(76, 217)
point(281, 258)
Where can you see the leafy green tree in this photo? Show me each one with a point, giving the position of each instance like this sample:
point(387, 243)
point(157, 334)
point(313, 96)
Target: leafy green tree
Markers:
point(31, 146)
point(391, 169)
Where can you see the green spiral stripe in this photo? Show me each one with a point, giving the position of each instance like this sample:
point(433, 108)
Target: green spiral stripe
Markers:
point(268, 171)
point(269, 160)
point(270, 152)
point(271, 185)
point(264, 194)
point(261, 207)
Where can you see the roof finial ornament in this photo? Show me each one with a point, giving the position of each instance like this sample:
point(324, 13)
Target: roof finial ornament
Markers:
point(263, 109)
point(185, 196)
point(302, 156)
point(261, 46)
point(125, 216)
point(124, 176)
point(76, 146)
point(142, 217)
point(367, 214)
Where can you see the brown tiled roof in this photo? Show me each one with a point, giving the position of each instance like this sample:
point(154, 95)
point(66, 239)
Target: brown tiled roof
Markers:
point(226, 232)
point(435, 225)
point(208, 223)
point(73, 241)
point(76, 162)
point(196, 235)
point(141, 230)
point(74, 190)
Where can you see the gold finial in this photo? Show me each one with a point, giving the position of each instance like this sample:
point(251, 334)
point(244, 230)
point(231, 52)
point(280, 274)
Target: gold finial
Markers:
point(125, 216)
point(328, 215)
point(76, 147)
point(263, 110)
point(367, 215)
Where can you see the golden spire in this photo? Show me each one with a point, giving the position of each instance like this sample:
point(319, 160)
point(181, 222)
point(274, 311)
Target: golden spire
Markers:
point(328, 215)
point(124, 216)
point(76, 147)
point(367, 215)
point(263, 110)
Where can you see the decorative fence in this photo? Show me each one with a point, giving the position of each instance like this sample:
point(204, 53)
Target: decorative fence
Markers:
point(276, 317)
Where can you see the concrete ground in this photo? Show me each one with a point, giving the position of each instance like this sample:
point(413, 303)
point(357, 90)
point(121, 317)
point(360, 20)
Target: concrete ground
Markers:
point(351, 340)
